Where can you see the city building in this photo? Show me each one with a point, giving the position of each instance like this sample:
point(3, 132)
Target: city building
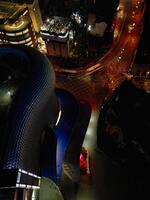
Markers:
point(55, 32)
point(26, 76)
point(19, 22)
point(99, 146)
point(75, 32)
point(35, 14)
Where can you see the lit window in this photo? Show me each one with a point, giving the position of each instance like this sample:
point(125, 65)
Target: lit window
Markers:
point(28, 40)
point(14, 42)
point(29, 43)
point(10, 34)
point(20, 33)
point(25, 31)
point(22, 42)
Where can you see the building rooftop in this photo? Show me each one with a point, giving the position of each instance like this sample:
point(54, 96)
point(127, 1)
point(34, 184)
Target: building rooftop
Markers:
point(16, 27)
point(9, 12)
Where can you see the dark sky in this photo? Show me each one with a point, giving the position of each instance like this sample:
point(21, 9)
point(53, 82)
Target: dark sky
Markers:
point(104, 7)
point(143, 53)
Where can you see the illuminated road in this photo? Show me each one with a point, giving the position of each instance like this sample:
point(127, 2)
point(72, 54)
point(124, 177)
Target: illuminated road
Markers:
point(128, 27)
point(107, 72)
point(96, 82)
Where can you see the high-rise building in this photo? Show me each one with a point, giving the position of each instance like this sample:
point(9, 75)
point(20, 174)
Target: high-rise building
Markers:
point(19, 22)
point(35, 14)
point(34, 11)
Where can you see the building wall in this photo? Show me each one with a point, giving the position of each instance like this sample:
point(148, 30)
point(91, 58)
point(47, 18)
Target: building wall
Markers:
point(35, 15)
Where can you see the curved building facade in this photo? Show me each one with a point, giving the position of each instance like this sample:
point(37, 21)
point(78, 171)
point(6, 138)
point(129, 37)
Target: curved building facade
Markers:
point(28, 108)
point(20, 32)
point(32, 96)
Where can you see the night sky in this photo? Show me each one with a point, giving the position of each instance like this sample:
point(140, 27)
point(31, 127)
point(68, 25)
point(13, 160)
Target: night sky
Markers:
point(104, 8)
point(143, 53)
